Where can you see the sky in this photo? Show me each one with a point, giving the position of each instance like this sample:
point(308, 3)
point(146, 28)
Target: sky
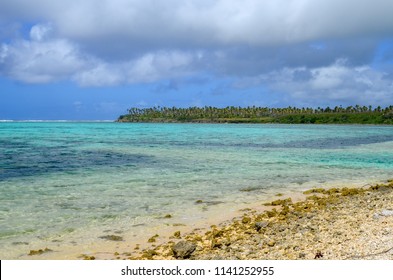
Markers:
point(94, 59)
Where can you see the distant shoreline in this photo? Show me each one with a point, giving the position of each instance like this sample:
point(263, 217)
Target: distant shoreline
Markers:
point(57, 121)
point(243, 122)
point(262, 115)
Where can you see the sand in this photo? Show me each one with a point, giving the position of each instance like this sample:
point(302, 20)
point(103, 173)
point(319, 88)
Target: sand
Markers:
point(339, 224)
point(336, 223)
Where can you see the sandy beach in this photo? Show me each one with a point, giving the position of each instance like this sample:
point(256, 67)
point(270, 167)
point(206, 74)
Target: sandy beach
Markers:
point(332, 223)
point(337, 223)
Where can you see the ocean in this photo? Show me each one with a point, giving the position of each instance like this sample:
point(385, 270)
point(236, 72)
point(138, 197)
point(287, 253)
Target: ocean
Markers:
point(65, 185)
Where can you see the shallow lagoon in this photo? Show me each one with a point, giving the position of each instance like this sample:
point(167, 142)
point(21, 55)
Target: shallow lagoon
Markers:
point(67, 184)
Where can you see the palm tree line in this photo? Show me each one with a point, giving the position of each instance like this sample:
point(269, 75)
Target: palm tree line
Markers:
point(233, 112)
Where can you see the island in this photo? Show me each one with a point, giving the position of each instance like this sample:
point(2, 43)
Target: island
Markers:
point(290, 115)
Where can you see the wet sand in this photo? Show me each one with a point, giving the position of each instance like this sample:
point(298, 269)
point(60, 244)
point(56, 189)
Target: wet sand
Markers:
point(336, 223)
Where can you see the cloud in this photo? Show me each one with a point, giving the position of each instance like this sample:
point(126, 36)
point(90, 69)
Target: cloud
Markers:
point(35, 62)
point(305, 49)
point(209, 22)
point(44, 58)
point(150, 67)
point(40, 31)
point(135, 27)
point(337, 83)
point(38, 60)
point(330, 77)
point(4, 52)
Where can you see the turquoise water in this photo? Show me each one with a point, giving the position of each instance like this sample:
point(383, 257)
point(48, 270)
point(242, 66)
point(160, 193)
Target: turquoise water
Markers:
point(69, 183)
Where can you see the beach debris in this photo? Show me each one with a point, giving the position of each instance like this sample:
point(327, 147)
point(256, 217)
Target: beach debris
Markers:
point(386, 213)
point(213, 203)
point(112, 237)
point(20, 243)
point(318, 255)
point(153, 239)
point(271, 243)
point(317, 227)
point(272, 213)
point(383, 213)
point(87, 257)
point(279, 202)
point(183, 249)
point(261, 225)
point(250, 189)
point(246, 220)
point(302, 255)
point(316, 190)
point(350, 191)
point(149, 254)
point(178, 225)
point(39, 252)
point(177, 234)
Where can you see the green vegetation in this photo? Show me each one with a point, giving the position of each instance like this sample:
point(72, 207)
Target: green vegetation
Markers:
point(292, 115)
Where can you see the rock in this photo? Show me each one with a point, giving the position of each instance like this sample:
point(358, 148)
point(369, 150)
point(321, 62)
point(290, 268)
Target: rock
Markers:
point(177, 234)
point(112, 237)
point(261, 225)
point(183, 249)
point(217, 257)
point(153, 239)
point(271, 243)
point(246, 220)
point(302, 255)
point(387, 213)
point(215, 244)
point(318, 255)
point(149, 254)
point(39, 252)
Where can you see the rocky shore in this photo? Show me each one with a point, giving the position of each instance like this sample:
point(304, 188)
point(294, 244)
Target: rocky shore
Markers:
point(337, 223)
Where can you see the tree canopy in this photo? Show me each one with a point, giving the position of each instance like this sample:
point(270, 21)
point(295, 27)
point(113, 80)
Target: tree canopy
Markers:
point(231, 114)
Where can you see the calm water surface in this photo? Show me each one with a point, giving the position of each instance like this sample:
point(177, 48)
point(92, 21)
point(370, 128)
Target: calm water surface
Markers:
point(70, 183)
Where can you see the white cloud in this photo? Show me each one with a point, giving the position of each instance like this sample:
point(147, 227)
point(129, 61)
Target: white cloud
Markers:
point(40, 32)
point(45, 59)
point(40, 61)
point(329, 77)
point(3, 52)
point(338, 83)
point(155, 66)
point(148, 68)
point(99, 74)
